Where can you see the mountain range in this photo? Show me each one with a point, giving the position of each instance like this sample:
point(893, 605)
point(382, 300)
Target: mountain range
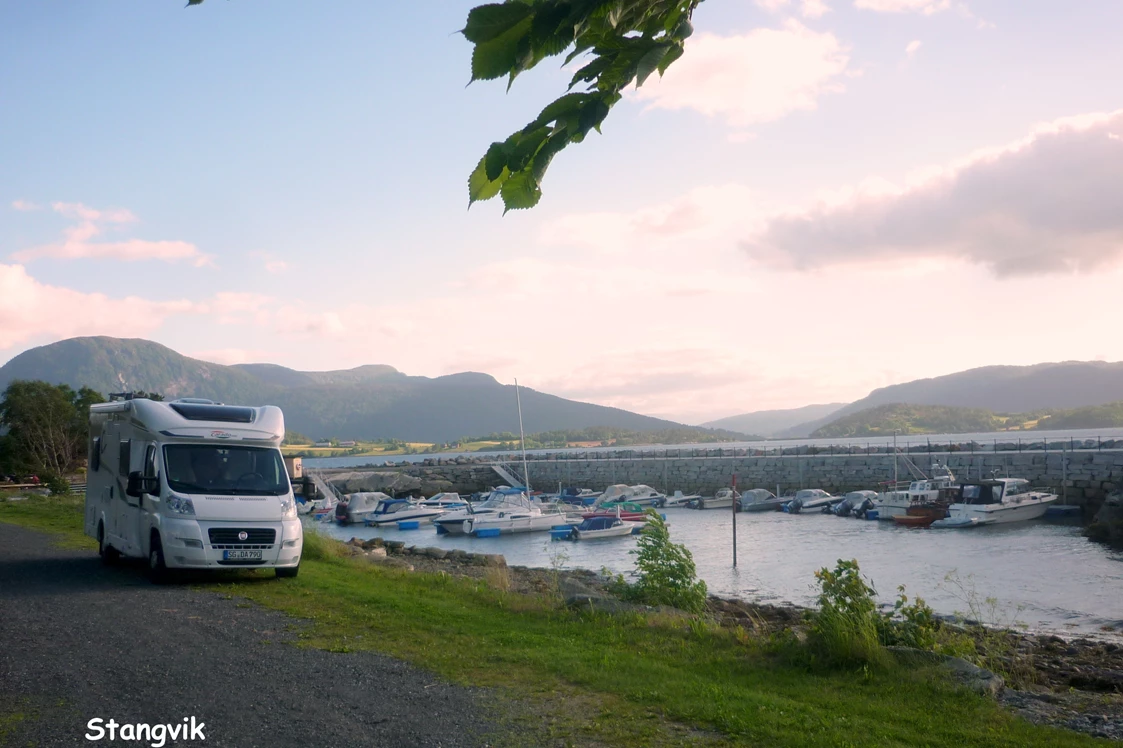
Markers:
point(368, 402)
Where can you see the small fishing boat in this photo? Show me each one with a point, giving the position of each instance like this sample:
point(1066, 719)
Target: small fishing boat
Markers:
point(578, 496)
point(941, 487)
point(761, 500)
point(999, 501)
point(603, 527)
point(678, 498)
point(446, 501)
point(647, 496)
point(921, 515)
point(723, 499)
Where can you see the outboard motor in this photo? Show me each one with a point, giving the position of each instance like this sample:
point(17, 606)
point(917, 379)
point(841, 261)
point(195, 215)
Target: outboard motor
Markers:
point(842, 508)
point(863, 507)
point(793, 506)
point(343, 513)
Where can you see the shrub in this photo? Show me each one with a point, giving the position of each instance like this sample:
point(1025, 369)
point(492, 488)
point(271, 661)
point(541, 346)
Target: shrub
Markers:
point(318, 547)
point(665, 571)
point(58, 485)
point(844, 630)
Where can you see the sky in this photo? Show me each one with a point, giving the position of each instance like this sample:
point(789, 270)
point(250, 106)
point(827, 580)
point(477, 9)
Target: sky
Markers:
point(821, 197)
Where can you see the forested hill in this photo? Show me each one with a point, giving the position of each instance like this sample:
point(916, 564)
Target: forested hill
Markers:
point(903, 418)
point(368, 402)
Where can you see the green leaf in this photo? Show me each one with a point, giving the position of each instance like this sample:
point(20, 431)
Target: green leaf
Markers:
point(546, 153)
point(486, 22)
point(482, 188)
point(673, 54)
point(649, 62)
point(592, 70)
point(549, 32)
point(561, 108)
point(495, 160)
point(520, 192)
point(499, 56)
point(525, 149)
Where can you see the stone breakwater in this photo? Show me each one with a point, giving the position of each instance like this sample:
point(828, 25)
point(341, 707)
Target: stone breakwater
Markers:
point(1083, 477)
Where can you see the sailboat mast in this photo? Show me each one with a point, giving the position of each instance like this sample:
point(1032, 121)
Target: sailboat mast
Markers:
point(894, 460)
point(522, 438)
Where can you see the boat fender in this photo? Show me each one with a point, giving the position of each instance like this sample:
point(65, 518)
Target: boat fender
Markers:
point(488, 532)
point(409, 524)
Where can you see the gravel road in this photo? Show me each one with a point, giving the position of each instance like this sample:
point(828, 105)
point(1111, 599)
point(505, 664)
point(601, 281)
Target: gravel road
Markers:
point(79, 640)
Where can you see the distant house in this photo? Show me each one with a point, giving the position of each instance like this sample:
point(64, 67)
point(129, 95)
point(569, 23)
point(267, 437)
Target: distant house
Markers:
point(347, 444)
point(322, 444)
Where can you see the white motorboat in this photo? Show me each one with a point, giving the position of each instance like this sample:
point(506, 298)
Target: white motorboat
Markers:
point(761, 500)
point(941, 487)
point(515, 518)
point(356, 507)
point(501, 500)
point(998, 501)
point(603, 527)
point(808, 498)
point(723, 499)
point(446, 501)
point(647, 496)
point(681, 499)
point(377, 509)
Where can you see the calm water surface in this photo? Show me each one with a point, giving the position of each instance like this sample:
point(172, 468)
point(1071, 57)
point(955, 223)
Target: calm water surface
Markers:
point(1044, 575)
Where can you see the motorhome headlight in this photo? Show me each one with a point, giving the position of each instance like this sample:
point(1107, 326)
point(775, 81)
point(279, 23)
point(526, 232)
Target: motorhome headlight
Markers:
point(180, 506)
point(288, 506)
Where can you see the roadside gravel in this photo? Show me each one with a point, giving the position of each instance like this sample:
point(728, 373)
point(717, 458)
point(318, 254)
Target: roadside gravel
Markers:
point(79, 640)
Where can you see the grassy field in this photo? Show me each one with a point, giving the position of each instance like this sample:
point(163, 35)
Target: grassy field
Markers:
point(580, 679)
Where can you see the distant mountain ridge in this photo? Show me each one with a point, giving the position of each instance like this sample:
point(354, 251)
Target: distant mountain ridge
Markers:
point(1002, 389)
point(368, 402)
point(772, 422)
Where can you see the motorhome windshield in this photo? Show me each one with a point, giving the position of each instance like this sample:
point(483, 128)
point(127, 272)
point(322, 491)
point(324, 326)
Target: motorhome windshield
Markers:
point(208, 468)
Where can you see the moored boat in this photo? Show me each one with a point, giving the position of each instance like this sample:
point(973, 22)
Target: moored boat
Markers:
point(999, 501)
point(387, 511)
point(761, 500)
point(723, 499)
point(678, 498)
point(626, 510)
point(921, 515)
point(502, 499)
point(603, 527)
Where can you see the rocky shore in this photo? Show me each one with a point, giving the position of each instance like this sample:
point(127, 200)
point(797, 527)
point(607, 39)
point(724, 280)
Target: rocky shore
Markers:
point(1076, 684)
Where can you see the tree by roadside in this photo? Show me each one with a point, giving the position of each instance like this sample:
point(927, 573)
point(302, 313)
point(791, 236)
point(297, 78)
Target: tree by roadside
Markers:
point(47, 426)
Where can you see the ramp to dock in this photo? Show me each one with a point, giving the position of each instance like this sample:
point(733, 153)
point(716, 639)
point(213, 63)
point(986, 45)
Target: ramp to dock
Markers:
point(507, 475)
point(322, 486)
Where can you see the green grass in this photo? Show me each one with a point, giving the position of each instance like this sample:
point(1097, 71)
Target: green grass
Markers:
point(60, 516)
point(629, 680)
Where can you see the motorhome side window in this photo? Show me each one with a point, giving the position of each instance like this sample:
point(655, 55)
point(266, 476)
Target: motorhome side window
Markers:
point(123, 458)
point(150, 461)
point(208, 468)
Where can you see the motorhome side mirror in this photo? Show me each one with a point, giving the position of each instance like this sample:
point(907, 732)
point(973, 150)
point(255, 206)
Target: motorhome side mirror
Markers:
point(136, 485)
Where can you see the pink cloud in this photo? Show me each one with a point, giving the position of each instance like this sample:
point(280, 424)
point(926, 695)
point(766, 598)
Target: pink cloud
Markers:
point(30, 309)
point(756, 77)
point(78, 239)
point(24, 206)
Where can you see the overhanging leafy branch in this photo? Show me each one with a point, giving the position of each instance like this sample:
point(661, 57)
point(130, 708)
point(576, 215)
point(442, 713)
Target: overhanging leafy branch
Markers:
point(626, 40)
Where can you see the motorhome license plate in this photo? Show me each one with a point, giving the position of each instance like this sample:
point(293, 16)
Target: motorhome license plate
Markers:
point(241, 555)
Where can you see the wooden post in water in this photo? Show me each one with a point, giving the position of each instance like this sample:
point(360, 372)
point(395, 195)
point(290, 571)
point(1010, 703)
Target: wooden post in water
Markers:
point(734, 520)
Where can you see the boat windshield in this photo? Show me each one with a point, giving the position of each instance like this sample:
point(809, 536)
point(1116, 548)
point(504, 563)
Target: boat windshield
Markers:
point(985, 493)
point(225, 470)
point(505, 501)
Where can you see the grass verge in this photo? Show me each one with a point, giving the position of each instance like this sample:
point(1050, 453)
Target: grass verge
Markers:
point(620, 680)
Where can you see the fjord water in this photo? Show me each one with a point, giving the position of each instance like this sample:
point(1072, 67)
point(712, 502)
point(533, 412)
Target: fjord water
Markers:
point(1043, 575)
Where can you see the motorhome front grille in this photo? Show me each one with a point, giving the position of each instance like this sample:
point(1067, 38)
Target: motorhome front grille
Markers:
point(230, 536)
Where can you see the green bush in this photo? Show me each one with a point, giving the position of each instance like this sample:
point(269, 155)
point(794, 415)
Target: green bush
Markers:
point(666, 574)
point(58, 485)
point(318, 547)
point(844, 630)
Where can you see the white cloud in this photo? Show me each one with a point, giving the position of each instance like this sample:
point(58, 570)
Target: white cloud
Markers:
point(91, 223)
point(30, 309)
point(913, 47)
point(756, 77)
point(1050, 202)
point(813, 8)
point(927, 7)
point(24, 206)
point(276, 266)
point(807, 8)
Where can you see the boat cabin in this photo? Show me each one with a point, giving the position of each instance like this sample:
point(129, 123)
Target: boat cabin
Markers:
point(994, 491)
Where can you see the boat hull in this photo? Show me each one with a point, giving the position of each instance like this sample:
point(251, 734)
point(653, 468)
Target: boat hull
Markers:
point(608, 532)
point(393, 519)
point(714, 503)
point(997, 514)
point(511, 525)
point(771, 505)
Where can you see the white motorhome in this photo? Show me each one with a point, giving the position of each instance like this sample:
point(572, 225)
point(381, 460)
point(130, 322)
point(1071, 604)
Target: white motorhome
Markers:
point(191, 484)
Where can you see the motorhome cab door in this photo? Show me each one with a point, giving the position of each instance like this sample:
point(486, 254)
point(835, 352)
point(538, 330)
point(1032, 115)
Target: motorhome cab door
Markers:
point(133, 454)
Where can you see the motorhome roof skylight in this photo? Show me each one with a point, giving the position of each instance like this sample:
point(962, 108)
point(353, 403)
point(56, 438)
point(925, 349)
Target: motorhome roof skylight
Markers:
point(200, 412)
